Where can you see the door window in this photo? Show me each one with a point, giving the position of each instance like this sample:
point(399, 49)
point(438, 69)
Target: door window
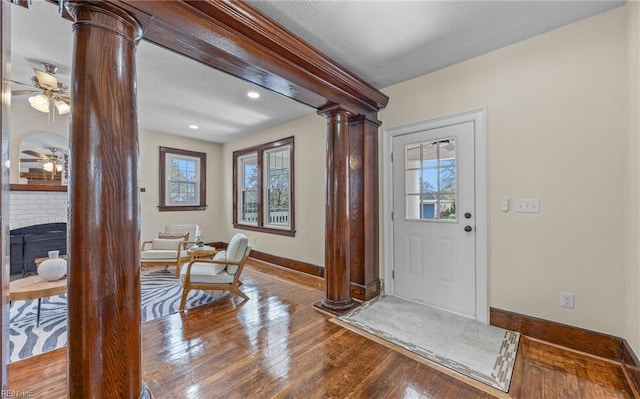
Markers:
point(430, 181)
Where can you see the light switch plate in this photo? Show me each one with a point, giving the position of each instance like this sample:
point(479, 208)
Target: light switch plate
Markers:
point(504, 205)
point(528, 205)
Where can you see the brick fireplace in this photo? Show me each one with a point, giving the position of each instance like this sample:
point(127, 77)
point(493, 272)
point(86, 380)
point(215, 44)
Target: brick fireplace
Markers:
point(38, 224)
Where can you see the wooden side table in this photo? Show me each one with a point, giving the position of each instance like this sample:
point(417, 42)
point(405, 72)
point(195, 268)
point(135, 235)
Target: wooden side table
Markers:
point(197, 253)
point(35, 287)
point(201, 252)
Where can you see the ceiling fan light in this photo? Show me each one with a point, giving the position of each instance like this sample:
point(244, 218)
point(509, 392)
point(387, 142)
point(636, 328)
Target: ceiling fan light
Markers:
point(58, 167)
point(63, 108)
point(40, 102)
point(48, 166)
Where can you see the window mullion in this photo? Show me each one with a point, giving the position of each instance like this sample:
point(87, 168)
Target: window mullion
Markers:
point(260, 196)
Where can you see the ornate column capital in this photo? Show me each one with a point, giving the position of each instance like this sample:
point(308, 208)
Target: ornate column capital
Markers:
point(335, 111)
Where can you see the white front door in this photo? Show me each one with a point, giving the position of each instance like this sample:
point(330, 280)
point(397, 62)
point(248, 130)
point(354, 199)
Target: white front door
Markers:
point(433, 217)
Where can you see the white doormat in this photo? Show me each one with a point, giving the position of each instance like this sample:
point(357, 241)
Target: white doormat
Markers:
point(484, 353)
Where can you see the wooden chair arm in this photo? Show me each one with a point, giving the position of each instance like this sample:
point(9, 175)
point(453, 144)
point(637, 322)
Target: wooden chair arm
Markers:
point(218, 262)
point(144, 243)
point(187, 275)
point(236, 276)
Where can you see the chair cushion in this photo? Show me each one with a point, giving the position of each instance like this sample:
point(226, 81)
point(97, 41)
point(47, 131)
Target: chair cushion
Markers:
point(218, 267)
point(206, 273)
point(236, 248)
point(174, 236)
point(182, 236)
point(192, 229)
point(164, 243)
point(161, 254)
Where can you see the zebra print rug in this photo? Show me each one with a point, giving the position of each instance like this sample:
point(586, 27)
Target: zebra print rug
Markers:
point(160, 294)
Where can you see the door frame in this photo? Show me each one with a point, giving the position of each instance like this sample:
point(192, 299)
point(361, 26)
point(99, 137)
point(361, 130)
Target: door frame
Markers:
point(479, 118)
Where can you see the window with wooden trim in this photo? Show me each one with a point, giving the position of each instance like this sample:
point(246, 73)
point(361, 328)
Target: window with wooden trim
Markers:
point(263, 195)
point(182, 180)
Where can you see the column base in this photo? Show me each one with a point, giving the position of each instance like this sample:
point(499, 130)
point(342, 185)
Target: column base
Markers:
point(365, 292)
point(335, 308)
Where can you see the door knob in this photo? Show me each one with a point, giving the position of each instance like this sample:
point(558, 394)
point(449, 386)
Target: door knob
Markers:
point(468, 228)
point(467, 215)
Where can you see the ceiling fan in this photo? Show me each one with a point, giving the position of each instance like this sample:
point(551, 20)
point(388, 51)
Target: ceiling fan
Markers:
point(49, 161)
point(47, 91)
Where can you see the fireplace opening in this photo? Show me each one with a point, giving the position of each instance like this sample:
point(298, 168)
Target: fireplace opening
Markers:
point(32, 242)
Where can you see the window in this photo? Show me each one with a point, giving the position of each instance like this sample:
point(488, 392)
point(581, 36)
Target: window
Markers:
point(263, 197)
point(182, 180)
point(431, 181)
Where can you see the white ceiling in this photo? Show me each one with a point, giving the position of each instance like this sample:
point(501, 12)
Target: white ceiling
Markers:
point(383, 42)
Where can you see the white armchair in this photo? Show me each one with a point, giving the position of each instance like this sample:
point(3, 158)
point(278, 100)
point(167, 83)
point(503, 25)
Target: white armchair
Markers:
point(221, 273)
point(170, 248)
point(164, 252)
point(175, 230)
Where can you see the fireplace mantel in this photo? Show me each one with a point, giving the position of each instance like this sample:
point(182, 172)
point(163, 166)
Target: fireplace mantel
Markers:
point(36, 187)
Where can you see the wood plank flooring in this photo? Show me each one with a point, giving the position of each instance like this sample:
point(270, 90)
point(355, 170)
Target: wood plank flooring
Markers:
point(276, 346)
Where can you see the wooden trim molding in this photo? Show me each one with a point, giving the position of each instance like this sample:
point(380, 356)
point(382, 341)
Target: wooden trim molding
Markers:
point(592, 342)
point(288, 263)
point(259, 151)
point(304, 267)
point(37, 187)
point(261, 52)
point(631, 363)
point(595, 343)
point(202, 172)
point(365, 292)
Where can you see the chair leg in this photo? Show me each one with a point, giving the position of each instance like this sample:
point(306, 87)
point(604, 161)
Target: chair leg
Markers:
point(183, 301)
point(238, 292)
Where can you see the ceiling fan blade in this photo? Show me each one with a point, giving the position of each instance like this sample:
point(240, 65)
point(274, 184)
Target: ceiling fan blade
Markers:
point(46, 80)
point(24, 92)
point(20, 83)
point(34, 154)
point(30, 160)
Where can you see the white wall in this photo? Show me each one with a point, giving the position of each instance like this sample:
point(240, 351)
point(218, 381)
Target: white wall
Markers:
point(556, 131)
point(631, 210)
point(152, 220)
point(310, 150)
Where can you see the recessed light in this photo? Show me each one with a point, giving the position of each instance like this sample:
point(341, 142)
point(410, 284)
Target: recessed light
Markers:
point(253, 94)
point(194, 127)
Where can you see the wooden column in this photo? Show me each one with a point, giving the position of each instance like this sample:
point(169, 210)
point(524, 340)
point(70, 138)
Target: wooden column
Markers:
point(337, 296)
point(104, 269)
point(363, 207)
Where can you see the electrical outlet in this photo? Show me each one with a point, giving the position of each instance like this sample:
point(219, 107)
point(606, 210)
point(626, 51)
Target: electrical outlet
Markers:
point(566, 300)
point(530, 205)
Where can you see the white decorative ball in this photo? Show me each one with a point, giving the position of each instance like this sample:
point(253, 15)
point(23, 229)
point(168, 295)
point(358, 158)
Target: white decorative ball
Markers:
point(53, 268)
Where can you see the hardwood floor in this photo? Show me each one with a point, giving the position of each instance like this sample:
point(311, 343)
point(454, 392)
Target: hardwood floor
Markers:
point(276, 345)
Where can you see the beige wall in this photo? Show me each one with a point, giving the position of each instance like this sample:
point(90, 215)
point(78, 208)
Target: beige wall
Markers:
point(152, 220)
point(556, 130)
point(631, 210)
point(310, 150)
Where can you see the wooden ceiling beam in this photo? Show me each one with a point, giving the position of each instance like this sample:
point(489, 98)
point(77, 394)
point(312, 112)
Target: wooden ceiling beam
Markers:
point(234, 38)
